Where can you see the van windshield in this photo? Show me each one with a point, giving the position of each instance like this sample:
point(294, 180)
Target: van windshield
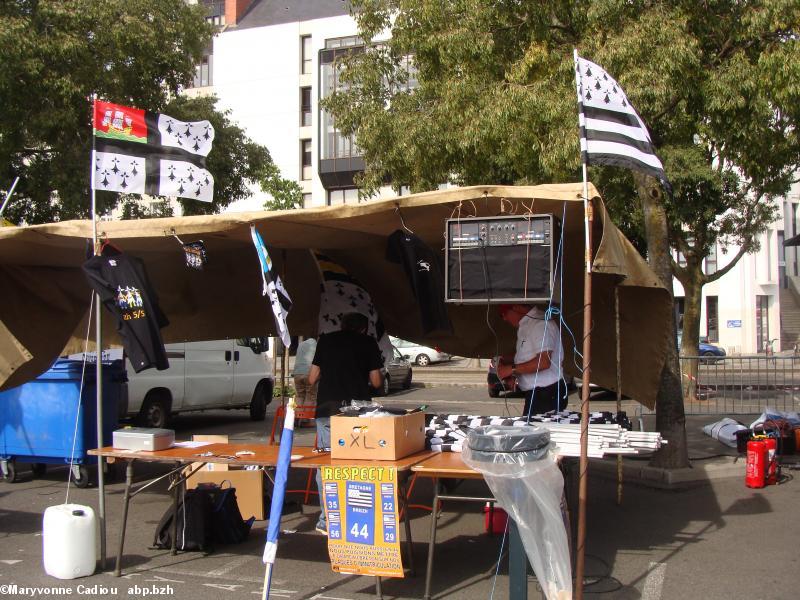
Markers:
point(256, 344)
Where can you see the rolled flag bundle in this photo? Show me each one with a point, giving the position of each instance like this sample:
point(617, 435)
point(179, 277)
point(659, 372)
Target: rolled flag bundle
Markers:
point(278, 493)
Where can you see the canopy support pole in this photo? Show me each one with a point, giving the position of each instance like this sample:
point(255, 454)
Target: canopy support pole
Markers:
point(98, 324)
point(587, 361)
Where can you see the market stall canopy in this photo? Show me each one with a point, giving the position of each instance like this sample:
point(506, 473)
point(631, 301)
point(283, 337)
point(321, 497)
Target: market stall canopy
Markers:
point(46, 299)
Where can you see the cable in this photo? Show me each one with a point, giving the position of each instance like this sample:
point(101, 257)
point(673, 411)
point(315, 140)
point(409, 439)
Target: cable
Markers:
point(80, 393)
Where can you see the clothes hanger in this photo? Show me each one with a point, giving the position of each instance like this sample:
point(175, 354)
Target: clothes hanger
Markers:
point(402, 222)
point(174, 234)
point(106, 243)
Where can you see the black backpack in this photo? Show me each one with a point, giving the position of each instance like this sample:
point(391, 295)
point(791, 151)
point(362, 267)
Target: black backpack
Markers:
point(207, 514)
point(227, 524)
point(194, 523)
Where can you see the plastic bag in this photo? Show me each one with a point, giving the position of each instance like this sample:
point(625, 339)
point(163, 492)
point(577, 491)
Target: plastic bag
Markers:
point(528, 484)
point(724, 431)
point(772, 414)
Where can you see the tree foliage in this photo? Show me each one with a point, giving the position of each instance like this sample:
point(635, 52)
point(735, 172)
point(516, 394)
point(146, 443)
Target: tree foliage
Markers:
point(717, 82)
point(57, 53)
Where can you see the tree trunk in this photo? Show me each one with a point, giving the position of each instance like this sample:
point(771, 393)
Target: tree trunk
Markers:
point(690, 338)
point(670, 416)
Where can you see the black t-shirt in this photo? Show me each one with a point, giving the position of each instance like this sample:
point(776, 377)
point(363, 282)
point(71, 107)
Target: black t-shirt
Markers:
point(123, 286)
point(345, 359)
point(424, 274)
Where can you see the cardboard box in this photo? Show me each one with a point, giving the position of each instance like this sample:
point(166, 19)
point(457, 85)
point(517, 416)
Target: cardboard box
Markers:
point(249, 488)
point(249, 484)
point(377, 438)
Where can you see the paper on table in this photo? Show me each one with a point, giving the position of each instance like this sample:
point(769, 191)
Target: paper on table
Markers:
point(191, 444)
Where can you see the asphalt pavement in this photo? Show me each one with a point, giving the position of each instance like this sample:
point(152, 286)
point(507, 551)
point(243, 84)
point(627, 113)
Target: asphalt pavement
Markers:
point(697, 534)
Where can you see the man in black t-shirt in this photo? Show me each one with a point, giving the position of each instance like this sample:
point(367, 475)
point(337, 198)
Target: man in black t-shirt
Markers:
point(345, 363)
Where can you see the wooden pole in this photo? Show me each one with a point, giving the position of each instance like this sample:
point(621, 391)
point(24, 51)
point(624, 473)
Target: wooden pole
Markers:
point(587, 361)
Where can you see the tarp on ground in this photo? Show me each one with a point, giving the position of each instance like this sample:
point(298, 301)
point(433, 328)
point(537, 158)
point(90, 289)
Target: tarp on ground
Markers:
point(45, 297)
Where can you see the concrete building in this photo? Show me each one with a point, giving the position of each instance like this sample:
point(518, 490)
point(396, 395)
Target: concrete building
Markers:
point(270, 65)
point(759, 299)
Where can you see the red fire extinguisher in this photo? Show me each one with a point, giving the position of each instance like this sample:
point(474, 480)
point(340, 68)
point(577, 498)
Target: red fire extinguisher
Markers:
point(772, 461)
point(756, 468)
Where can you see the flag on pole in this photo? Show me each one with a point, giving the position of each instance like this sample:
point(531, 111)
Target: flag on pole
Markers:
point(611, 131)
point(273, 287)
point(139, 152)
point(341, 293)
point(278, 493)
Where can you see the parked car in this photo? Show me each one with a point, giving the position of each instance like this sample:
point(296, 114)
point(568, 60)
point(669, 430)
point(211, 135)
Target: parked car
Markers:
point(710, 352)
point(420, 355)
point(396, 373)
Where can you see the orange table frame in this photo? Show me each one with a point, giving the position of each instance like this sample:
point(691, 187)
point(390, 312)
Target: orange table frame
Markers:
point(263, 455)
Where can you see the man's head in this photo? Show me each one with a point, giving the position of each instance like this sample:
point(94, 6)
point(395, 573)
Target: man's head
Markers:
point(355, 322)
point(513, 313)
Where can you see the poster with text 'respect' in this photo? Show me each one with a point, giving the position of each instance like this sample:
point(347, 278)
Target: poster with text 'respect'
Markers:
point(361, 507)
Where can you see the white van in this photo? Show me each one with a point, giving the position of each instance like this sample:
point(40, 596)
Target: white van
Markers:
point(203, 376)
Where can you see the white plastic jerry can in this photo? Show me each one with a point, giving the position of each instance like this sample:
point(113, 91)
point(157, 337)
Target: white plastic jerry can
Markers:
point(68, 538)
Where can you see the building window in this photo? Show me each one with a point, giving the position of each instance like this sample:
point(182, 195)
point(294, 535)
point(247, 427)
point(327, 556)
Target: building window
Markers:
point(679, 304)
point(712, 318)
point(711, 261)
point(346, 196)
point(762, 323)
point(215, 11)
point(305, 106)
point(334, 144)
point(783, 280)
point(204, 72)
point(794, 230)
point(306, 200)
point(305, 54)
point(344, 42)
point(305, 159)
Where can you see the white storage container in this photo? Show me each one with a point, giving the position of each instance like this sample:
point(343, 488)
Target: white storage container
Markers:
point(68, 539)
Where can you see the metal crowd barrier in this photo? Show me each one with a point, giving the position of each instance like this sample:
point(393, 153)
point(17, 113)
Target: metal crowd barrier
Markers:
point(735, 385)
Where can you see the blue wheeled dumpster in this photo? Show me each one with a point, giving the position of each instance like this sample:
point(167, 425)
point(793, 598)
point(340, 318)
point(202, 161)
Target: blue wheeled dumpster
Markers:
point(48, 420)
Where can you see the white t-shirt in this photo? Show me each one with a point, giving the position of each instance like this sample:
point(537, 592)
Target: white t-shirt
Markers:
point(534, 336)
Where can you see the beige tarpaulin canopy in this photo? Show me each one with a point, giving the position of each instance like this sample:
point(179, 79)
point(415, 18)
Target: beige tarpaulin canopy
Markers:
point(45, 297)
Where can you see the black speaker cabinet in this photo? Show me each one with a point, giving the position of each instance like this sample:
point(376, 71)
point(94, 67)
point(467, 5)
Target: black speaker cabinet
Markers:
point(501, 259)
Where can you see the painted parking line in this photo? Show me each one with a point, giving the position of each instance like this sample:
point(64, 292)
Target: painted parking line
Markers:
point(654, 584)
point(232, 565)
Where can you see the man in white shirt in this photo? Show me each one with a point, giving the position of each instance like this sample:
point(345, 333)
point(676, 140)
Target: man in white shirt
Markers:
point(537, 361)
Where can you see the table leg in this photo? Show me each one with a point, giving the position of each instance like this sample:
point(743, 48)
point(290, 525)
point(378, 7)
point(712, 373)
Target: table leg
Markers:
point(403, 496)
point(517, 564)
point(432, 539)
point(176, 489)
point(126, 499)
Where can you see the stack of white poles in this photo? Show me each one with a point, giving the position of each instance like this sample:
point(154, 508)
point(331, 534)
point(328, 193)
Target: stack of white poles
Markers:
point(604, 439)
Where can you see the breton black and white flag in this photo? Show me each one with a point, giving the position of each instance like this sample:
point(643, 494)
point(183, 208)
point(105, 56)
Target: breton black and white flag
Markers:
point(273, 287)
point(340, 293)
point(139, 152)
point(612, 133)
